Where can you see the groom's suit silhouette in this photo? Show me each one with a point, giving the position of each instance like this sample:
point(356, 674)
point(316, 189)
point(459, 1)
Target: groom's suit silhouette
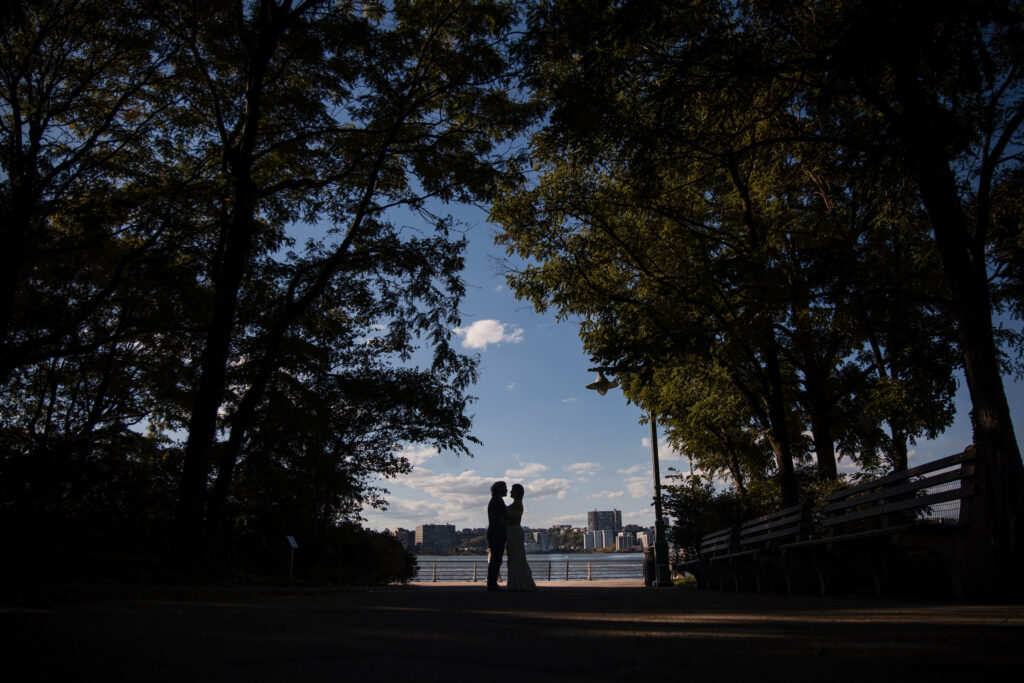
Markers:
point(496, 534)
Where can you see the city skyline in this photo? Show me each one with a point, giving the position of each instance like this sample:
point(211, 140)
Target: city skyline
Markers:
point(482, 529)
point(444, 539)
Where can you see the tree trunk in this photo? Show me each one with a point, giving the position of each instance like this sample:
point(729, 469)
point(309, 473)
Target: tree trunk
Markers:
point(270, 23)
point(818, 400)
point(899, 454)
point(736, 470)
point(776, 409)
point(824, 444)
point(964, 263)
point(209, 395)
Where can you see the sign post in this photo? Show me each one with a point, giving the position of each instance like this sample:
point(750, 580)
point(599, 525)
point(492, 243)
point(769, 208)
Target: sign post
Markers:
point(291, 556)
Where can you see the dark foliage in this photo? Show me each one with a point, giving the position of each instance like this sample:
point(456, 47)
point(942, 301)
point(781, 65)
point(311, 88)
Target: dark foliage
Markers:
point(212, 333)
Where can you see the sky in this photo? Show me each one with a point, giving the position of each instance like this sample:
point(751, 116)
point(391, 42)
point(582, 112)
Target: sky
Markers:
point(572, 449)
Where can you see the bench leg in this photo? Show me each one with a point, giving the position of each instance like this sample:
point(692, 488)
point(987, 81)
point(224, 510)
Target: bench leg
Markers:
point(746, 576)
point(800, 572)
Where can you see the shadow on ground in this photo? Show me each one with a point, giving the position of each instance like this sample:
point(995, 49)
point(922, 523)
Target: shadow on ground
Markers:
point(446, 633)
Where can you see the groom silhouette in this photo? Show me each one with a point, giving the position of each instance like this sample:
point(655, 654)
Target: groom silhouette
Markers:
point(496, 534)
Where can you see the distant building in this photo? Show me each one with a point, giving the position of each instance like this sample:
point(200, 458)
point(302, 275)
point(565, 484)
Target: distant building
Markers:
point(542, 539)
point(595, 540)
point(436, 538)
point(406, 537)
point(646, 538)
point(610, 520)
point(625, 540)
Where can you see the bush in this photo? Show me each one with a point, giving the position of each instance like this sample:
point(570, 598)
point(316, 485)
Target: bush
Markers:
point(351, 555)
point(697, 509)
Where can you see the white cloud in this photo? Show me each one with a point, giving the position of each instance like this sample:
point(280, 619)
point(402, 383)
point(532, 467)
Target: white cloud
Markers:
point(483, 332)
point(847, 466)
point(420, 455)
point(643, 517)
point(583, 469)
point(511, 386)
point(665, 451)
point(543, 488)
point(459, 499)
point(608, 494)
point(639, 487)
point(635, 469)
point(467, 485)
point(571, 399)
point(720, 480)
point(399, 507)
point(530, 469)
point(577, 521)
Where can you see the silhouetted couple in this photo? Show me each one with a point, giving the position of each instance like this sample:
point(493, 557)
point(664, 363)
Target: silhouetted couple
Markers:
point(505, 531)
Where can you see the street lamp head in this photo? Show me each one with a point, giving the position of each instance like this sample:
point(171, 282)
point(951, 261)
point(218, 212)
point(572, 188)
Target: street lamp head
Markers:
point(601, 385)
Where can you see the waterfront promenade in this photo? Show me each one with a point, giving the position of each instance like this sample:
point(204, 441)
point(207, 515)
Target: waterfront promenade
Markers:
point(568, 631)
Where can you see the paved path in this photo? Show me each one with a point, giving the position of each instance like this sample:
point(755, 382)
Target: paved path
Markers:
point(603, 631)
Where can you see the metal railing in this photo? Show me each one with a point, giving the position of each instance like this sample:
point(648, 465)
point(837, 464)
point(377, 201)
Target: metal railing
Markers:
point(438, 571)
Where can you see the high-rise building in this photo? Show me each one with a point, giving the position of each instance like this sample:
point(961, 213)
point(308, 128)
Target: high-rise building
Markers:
point(436, 538)
point(595, 540)
point(625, 540)
point(599, 520)
point(406, 537)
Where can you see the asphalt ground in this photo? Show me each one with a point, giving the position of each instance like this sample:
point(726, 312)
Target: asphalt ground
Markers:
point(576, 631)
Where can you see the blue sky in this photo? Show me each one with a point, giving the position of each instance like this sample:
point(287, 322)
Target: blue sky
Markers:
point(572, 449)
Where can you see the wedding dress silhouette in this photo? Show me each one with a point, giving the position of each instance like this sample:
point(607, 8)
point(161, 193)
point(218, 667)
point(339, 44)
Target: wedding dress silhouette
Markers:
point(520, 578)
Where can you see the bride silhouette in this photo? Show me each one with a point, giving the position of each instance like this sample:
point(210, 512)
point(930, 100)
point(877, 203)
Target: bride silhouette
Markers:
point(520, 578)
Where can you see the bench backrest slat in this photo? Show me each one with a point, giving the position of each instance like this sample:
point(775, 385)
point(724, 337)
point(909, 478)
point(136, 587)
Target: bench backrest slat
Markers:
point(881, 511)
point(781, 517)
point(940, 464)
point(789, 524)
point(902, 498)
point(717, 542)
point(872, 494)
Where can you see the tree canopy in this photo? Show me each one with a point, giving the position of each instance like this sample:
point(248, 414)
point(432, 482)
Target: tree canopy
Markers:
point(793, 199)
point(208, 281)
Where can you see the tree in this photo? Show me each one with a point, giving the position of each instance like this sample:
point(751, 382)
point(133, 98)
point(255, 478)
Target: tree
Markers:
point(739, 105)
point(197, 139)
point(936, 91)
point(708, 420)
point(686, 219)
point(320, 111)
point(77, 94)
point(683, 146)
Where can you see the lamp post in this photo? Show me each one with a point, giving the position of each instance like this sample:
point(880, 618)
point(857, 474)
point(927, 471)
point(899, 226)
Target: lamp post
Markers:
point(662, 575)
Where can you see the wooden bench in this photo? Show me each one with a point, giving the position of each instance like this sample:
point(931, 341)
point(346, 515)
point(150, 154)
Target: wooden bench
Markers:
point(876, 532)
point(712, 545)
point(746, 555)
